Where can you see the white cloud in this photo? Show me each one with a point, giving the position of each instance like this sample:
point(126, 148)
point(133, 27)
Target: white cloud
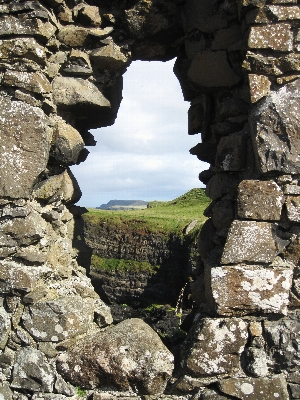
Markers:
point(145, 154)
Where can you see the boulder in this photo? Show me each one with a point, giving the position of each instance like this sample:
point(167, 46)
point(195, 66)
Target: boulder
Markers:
point(32, 372)
point(23, 129)
point(259, 200)
point(127, 356)
point(68, 144)
point(77, 36)
point(257, 288)
point(214, 346)
point(274, 125)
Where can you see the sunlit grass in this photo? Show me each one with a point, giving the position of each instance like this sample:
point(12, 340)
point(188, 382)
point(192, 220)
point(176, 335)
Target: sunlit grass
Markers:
point(161, 217)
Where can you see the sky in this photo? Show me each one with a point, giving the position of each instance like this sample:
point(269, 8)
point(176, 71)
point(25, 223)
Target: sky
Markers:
point(145, 154)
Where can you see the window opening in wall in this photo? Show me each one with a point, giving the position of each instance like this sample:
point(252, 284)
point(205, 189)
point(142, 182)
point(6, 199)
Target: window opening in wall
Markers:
point(145, 154)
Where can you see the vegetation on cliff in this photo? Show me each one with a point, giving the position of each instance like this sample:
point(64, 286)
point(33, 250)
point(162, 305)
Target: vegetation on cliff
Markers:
point(160, 217)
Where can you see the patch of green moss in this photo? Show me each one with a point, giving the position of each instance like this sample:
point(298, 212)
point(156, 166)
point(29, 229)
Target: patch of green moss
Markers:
point(121, 265)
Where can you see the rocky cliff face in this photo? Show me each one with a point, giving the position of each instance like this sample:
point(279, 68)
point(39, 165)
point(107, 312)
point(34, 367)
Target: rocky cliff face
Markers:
point(172, 262)
point(61, 66)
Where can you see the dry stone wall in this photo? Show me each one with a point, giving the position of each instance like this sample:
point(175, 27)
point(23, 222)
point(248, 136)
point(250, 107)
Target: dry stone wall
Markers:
point(61, 66)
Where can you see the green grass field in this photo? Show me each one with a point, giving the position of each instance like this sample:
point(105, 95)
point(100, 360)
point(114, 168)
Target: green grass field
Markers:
point(161, 217)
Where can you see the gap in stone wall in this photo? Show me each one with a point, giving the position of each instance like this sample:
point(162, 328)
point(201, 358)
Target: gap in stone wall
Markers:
point(145, 154)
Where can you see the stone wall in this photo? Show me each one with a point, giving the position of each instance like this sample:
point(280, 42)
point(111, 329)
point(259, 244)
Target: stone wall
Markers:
point(61, 64)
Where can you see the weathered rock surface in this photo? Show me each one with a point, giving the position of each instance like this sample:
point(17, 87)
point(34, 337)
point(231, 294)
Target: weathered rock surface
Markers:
point(250, 241)
point(274, 126)
point(128, 355)
point(260, 200)
point(21, 166)
point(260, 388)
point(213, 346)
point(63, 318)
point(32, 372)
point(259, 289)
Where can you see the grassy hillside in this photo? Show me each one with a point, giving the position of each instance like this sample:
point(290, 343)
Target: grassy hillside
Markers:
point(164, 217)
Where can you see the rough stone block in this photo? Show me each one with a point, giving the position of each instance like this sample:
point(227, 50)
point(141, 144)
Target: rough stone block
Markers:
point(14, 277)
point(246, 289)
point(293, 208)
point(23, 129)
point(274, 125)
point(35, 82)
point(109, 57)
point(256, 388)
point(213, 346)
point(68, 144)
point(259, 200)
point(32, 372)
point(259, 87)
point(250, 241)
point(127, 355)
point(63, 318)
point(277, 37)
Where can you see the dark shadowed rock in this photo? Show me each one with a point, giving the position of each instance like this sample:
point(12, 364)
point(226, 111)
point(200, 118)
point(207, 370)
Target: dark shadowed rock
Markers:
point(211, 69)
point(128, 355)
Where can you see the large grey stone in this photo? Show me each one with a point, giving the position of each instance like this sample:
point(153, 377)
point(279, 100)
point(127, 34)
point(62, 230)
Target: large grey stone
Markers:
point(32, 372)
point(14, 277)
point(274, 124)
point(250, 241)
point(83, 99)
point(245, 289)
point(277, 37)
point(25, 143)
point(35, 82)
point(10, 25)
point(128, 355)
point(68, 143)
point(63, 318)
point(260, 200)
point(214, 346)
